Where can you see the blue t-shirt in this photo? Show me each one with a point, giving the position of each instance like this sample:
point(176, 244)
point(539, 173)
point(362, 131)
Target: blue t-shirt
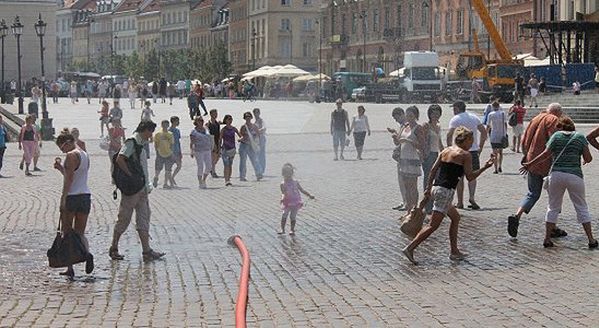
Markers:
point(2, 136)
point(177, 137)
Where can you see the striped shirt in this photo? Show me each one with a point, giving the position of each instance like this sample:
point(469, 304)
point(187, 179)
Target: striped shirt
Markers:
point(569, 161)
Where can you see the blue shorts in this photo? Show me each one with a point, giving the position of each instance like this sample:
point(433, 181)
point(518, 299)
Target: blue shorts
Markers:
point(228, 155)
point(79, 203)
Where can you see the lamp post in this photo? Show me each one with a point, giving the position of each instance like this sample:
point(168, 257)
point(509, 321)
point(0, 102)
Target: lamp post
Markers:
point(320, 27)
point(253, 48)
point(3, 33)
point(363, 16)
point(47, 129)
point(429, 5)
point(113, 53)
point(89, 28)
point(17, 31)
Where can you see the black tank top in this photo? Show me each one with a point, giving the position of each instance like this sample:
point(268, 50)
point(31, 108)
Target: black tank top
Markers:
point(214, 129)
point(449, 174)
point(29, 135)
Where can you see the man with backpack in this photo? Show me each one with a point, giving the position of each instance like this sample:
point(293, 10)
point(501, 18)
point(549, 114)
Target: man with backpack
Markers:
point(131, 177)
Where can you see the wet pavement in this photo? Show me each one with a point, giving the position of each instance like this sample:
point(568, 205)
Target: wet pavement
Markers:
point(343, 268)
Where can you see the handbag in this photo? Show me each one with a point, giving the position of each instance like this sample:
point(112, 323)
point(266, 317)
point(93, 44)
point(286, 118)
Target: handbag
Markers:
point(255, 146)
point(412, 222)
point(105, 143)
point(396, 155)
point(547, 179)
point(67, 249)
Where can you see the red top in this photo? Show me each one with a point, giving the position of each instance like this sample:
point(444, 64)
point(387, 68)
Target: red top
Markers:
point(520, 112)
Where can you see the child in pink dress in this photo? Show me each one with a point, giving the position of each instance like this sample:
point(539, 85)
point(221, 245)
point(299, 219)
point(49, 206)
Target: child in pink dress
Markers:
point(291, 199)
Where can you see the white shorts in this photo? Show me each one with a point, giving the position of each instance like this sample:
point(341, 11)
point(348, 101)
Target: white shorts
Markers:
point(518, 130)
point(442, 199)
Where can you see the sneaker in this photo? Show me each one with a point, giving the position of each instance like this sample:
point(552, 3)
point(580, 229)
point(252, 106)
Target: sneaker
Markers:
point(558, 233)
point(228, 184)
point(594, 245)
point(291, 233)
point(152, 255)
point(512, 225)
point(37, 169)
point(399, 207)
point(214, 175)
point(89, 263)
point(243, 179)
point(458, 257)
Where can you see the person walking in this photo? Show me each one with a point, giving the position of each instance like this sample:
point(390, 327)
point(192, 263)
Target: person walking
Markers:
point(171, 91)
point(181, 88)
point(261, 155)
point(147, 113)
point(55, 88)
point(339, 128)
point(88, 91)
point(102, 91)
point(116, 112)
point(75, 200)
point(518, 129)
point(193, 105)
point(162, 89)
point(566, 147)
point(73, 92)
point(199, 91)
point(454, 163)
point(155, 88)
point(497, 131)
point(360, 127)
point(201, 145)
point(248, 147)
point(104, 118)
point(132, 154)
point(533, 86)
point(116, 93)
point(213, 127)
point(472, 123)
point(411, 140)
point(398, 115)
point(475, 92)
point(132, 94)
point(177, 153)
point(291, 198)
point(3, 140)
point(432, 146)
point(534, 141)
point(227, 144)
point(28, 140)
point(163, 143)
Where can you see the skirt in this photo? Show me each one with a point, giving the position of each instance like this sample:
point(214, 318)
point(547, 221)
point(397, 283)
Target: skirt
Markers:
point(359, 138)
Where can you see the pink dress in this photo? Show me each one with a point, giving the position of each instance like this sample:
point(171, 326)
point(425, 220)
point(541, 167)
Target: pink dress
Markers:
point(293, 197)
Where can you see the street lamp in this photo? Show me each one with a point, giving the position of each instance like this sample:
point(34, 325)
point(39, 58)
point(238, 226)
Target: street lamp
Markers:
point(253, 48)
point(430, 23)
point(47, 130)
point(113, 53)
point(320, 27)
point(3, 33)
point(17, 31)
point(363, 16)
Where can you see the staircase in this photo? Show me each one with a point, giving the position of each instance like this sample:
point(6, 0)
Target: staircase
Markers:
point(583, 108)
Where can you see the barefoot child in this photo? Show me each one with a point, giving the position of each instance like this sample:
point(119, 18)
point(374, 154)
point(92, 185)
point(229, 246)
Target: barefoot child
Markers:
point(453, 163)
point(291, 199)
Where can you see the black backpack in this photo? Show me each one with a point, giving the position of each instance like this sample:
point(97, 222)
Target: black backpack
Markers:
point(134, 183)
point(512, 120)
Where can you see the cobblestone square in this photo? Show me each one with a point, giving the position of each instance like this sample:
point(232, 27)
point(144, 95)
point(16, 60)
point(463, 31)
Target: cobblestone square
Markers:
point(343, 268)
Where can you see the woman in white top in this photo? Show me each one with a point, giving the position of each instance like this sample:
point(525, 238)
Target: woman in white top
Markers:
point(75, 201)
point(201, 145)
point(360, 127)
point(497, 130)
point(432, 146)
point(411, 138)
point(132, 91)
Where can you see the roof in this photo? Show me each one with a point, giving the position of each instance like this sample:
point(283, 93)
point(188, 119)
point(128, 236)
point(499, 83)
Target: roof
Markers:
point(149, 6)
point(127, 5)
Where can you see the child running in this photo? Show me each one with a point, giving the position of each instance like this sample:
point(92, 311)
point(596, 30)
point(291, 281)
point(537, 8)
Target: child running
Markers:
point(147, 113)
point(291, 199)
point(453, 163)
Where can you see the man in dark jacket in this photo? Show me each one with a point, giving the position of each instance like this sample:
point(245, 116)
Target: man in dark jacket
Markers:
point(163, 90)
point(154, 90)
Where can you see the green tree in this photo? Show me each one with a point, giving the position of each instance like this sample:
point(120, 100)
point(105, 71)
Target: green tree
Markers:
point(133, 66)
point(151, 65)
point(218, 61)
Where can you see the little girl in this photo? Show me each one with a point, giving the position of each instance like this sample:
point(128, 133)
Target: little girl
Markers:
point(147, 113)
point(291, 199)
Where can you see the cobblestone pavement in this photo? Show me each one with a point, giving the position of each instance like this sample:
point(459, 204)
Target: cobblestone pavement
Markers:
point(343, 268)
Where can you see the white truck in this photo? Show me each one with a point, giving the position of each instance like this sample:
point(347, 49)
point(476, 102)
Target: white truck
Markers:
point(422, 75)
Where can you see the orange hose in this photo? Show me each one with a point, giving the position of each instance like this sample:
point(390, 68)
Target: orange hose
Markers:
point(244, 280)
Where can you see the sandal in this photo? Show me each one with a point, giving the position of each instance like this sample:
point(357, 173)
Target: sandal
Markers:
point(152, 255)
point(512, 225)
point(114, 254)
point(548, 244)
point(473, 205)
point(594, 245)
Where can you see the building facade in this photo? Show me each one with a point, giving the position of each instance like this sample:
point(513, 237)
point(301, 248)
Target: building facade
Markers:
point(174, 25)
point(148, 27)
point(30, 43)
point(81, 37)
point(101, 31)
point(124, 27)
point(238, 35)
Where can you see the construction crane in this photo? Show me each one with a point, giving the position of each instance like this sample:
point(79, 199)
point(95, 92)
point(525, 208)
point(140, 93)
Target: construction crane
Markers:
point(497, 75)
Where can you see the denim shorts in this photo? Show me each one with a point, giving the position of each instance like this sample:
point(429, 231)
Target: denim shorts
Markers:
point(228, 155)
point(79, 203)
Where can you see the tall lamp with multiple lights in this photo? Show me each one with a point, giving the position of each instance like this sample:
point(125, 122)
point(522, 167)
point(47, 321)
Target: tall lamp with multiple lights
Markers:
point(3, 33)
point(47, 130)
point(17, 31)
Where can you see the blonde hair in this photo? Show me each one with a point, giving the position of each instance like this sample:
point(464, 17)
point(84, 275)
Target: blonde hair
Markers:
point(462, 134)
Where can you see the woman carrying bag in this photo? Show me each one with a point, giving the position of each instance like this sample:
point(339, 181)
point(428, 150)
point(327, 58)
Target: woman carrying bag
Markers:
point(566, 147)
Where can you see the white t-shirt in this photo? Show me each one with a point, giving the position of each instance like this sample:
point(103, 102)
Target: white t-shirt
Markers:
point(361, 123)
point(497, 121)
point(469, 121)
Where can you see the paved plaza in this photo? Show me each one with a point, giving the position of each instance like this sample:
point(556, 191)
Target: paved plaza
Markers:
point(343, 268)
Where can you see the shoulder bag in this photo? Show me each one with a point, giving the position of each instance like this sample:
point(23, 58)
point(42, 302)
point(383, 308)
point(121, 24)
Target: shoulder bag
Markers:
point(505, 140)
point(547, 179)
point(397, 151)
point(66, 250)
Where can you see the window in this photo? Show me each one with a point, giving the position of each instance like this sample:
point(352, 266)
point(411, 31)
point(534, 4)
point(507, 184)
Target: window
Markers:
point(425, 9)
point(343, 23)
point(399, 17)
point(437, 27)
point(386, 19)
point(354, 22)
point(285, 48)
point(375, 20)
point(285, 2)
point(448, 23)
point(306, 49)
point(285, 24)
point(307, 25)
point(410, 16)
point(307, 2)
point(459, 22)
